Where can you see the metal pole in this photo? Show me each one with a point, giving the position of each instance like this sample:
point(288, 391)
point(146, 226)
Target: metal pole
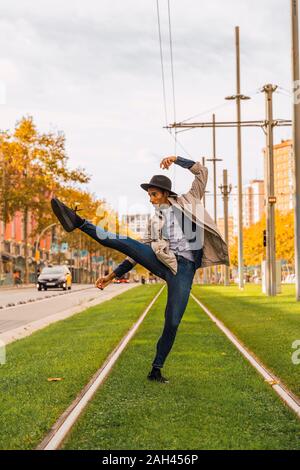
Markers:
point(205, 276)
point(214, 166)
point(37, 245)
point(226, 190)
point(239, 161)
point(271, 200)
point(215, 160)
point(296, 138)
point(204, 198)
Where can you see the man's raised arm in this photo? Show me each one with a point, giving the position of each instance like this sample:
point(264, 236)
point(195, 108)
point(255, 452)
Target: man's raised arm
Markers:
point(201, 173)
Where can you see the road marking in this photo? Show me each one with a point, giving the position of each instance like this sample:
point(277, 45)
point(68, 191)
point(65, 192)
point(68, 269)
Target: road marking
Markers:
point(64, 424)
point(285, 394)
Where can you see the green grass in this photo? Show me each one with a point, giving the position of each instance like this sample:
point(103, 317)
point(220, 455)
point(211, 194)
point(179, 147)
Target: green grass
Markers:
point(72, 349)
point(267, 326)
point(215, 399)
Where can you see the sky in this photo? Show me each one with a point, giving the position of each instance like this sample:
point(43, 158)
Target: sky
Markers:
point(92, 69)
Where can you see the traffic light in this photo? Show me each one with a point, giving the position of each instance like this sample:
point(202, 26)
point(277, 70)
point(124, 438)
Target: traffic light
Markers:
point(265, 238)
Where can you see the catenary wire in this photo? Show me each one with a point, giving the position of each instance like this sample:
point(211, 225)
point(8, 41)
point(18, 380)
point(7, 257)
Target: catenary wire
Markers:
point(162, 62)
point(173, 86)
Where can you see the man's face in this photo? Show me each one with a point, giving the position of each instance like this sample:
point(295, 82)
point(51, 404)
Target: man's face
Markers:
point(157, 196)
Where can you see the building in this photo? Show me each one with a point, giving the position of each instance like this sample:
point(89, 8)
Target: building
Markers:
point(283, 175)
point(136, 222)
point(12, 247)
point(221, 227)
point(253, 204)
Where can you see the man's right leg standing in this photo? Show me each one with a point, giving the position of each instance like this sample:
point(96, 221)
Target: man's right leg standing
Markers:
point(179, 288)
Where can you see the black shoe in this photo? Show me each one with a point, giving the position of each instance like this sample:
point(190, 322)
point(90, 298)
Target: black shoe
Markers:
point(67, 217)
point(155, 375)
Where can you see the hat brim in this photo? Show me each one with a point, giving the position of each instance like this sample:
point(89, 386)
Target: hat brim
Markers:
point(146, 186)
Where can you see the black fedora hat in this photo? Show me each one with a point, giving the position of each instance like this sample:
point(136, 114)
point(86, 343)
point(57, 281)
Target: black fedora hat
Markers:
point(161, 182)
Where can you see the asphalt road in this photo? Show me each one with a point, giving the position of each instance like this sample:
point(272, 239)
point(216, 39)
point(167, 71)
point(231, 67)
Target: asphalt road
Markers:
point(45, 306)
point(21, 294)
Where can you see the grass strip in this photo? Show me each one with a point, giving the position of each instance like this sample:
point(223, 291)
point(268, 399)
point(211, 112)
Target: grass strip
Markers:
point(268, 326)
point(215, 399)
point(72, 349)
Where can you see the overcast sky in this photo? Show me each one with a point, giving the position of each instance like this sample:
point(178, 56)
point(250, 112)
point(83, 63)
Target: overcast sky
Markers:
point(92, 69)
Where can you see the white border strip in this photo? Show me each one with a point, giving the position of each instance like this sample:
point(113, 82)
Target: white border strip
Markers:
point(284, 393)
point(69, 418)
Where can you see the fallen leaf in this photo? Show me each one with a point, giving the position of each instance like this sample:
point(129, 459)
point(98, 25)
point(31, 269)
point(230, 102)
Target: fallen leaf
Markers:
point(55, 379)
point(272, 382)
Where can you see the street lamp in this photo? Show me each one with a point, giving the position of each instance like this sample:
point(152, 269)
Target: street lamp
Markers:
point(37, 253)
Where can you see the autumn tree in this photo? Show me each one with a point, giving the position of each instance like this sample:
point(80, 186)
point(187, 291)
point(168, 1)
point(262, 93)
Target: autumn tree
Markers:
point(38, 166)
point(254, 251)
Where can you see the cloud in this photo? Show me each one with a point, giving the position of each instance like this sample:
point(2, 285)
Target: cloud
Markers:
point(92, 69)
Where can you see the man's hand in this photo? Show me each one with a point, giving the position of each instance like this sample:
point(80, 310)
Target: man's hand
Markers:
point(103, 282)
point(167, 162)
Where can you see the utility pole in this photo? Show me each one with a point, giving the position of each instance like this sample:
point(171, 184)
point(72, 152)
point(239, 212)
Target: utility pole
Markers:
point(215, 160)
point(205, 277)
point(238, 98)
point(296, 138)
point(239, 146)
point(226, 190)
point(204, 198)
point(271, 199)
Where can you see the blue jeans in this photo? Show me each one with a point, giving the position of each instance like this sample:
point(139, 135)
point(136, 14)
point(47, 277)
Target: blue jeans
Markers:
point(179, 285)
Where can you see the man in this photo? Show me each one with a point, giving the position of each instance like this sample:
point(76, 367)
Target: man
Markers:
point(180, 238)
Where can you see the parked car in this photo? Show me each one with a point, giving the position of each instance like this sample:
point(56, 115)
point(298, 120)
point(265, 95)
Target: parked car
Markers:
point(55, 276)
point(121, 280)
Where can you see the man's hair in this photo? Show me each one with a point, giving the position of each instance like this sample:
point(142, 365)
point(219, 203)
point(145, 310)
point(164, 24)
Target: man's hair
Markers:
point(161, 190)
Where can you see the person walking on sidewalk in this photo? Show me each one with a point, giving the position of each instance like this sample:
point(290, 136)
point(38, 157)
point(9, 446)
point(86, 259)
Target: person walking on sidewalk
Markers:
point(180, 238)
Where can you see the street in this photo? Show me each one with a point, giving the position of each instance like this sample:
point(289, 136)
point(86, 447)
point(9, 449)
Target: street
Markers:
point(23, 314)
point(21, 294)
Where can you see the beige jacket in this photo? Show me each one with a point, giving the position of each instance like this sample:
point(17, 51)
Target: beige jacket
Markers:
point(215, 250)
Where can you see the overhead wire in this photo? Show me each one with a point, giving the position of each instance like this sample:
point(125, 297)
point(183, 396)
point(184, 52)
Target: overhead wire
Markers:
point(162, 63)
point(175, 135)
point(163, 71)
point(173, 86)
point(172, 62)
point(251, 93)
point(284, 89)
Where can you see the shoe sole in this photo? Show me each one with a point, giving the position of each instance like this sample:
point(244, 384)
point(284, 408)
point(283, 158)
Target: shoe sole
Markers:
point(63, 218)
point(159, 381)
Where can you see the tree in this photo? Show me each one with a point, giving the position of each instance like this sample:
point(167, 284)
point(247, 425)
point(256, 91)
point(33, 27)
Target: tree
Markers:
point(38, 168)
point(254, 251)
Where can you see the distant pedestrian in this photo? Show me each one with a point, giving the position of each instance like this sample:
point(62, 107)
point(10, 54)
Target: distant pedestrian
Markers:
point(17, 278)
